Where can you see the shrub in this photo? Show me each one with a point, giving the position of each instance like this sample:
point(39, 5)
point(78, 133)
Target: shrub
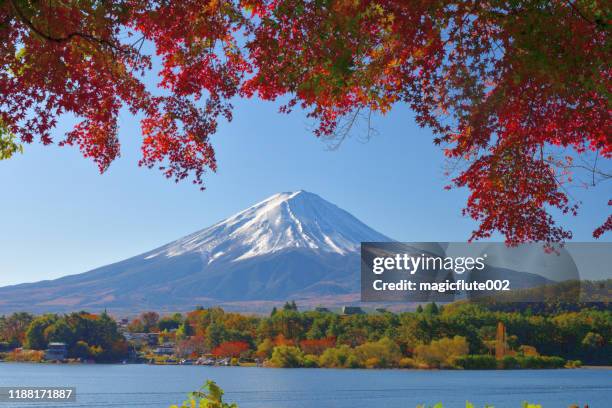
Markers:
point(373, 362)
point(287, 356)
point(510, 363)
point(442, 353)
point(385, 351)
point(573, 364)
point(476, 362)
point(311, 361)
point(407, 362)
point(338, 357)
point(30, 356)
point(536, 362)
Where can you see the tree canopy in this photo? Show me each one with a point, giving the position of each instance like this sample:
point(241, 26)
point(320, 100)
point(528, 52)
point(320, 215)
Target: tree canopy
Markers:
point(311, 338)
point(513, 90)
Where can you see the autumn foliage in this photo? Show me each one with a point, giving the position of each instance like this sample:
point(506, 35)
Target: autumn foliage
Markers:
point(230, 349)
point(514, 91)
point(317, 346)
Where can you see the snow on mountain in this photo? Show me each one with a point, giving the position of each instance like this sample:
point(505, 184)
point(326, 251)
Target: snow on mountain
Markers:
point(288, 220)
point(290, 246)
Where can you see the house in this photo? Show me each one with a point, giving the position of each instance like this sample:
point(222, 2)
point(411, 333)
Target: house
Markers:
point(166, 349)
point(56, 352)
point(322, 310)
point(150, 339)
point(352, 310)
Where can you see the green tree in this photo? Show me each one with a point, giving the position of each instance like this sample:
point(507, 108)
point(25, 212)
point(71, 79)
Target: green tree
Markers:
point(60, 331)
point(215, 335)
point(170, 322)
point(184, 330)
point(264, 349)
point(35, 337)
point(287, 356)
point(593, 340)
point(290, 306)
point(431, 308)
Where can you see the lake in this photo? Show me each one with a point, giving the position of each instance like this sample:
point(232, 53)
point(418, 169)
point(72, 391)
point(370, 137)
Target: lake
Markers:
point(159, 386)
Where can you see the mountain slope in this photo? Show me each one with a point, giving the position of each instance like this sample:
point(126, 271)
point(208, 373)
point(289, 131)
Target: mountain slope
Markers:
point(291, 245)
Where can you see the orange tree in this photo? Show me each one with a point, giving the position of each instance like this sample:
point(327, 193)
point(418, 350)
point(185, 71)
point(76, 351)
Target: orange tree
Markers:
point(230, 349)
point(514, 90)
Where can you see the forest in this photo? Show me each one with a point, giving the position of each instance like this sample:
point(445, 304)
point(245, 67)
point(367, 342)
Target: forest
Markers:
point(458, 335)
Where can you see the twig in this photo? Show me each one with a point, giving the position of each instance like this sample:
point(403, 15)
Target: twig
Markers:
point(63, 39)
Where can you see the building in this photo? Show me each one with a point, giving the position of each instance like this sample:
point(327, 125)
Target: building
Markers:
point(352, 310)
point(166, 349)
point(321, 309)
point(150, 339)
point(56, 352)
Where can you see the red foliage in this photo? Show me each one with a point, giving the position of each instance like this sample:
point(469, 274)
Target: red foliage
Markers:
point(606, 226)
point(230, 349)
point(317, 346)
point(507, 87)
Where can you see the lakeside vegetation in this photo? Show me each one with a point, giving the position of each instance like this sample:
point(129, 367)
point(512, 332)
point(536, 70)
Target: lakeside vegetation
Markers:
point(87, 336)
point(459, 335)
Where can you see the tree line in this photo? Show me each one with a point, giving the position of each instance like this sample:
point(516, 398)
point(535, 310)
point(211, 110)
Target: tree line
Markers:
point(454, 335)
point(86, 335)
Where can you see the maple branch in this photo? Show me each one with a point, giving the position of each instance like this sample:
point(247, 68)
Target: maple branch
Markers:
point(593, 171)
point(344, 131)
point(65, 38)
point(590, 168)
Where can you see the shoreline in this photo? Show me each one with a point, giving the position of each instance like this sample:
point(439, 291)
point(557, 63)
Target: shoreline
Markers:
point(585, 367)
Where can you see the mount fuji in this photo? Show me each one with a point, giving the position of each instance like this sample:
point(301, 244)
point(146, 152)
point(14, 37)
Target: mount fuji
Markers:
point(292, 245)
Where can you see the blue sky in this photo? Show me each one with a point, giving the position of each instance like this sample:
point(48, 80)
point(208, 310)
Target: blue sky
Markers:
point(60, 216)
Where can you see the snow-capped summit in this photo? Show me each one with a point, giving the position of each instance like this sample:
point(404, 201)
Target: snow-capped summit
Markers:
point(290, 246)
point(287, 220)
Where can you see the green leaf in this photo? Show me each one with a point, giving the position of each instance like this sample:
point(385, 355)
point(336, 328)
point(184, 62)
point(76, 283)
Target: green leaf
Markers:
point(8, 143)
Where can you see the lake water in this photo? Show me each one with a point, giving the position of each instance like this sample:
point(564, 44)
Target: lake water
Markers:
point(160, 386)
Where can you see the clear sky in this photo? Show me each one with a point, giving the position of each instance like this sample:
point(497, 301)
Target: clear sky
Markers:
point(59, 216)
